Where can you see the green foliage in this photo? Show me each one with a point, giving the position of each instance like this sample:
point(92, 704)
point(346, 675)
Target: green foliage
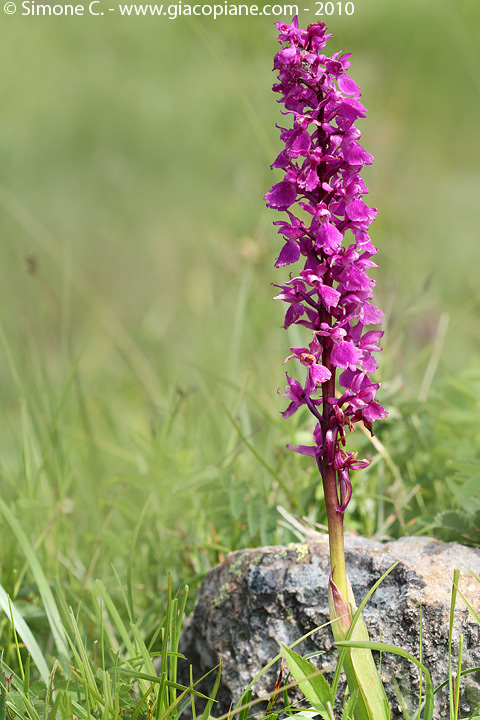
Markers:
point(127, 489)
point(112, 676)
point(463, 522)
point(312, 683)
point(349, 707)
point(409, 488)
point(323, 697)
point(359, 666)
point(383, 647)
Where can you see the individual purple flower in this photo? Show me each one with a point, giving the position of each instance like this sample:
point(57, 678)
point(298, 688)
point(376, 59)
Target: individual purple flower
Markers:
point(310, 358)
point(299, 395)
point(312, 450)
point(326, 226)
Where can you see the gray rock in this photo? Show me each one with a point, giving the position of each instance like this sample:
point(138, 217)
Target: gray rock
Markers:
point(257, 599)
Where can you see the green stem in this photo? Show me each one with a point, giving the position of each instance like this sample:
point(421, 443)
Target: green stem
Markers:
point(335, 529)
point(329, 479)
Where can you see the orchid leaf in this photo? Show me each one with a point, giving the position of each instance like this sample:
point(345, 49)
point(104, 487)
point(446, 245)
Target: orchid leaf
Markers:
point(382, 647)
point(311, 682)
point(362, 675)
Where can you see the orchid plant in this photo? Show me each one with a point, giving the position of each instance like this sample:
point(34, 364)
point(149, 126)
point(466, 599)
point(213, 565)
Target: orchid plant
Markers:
point(326, 225)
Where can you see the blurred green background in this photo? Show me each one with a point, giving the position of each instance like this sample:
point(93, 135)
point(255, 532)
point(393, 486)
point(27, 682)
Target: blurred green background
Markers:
point(141, 350)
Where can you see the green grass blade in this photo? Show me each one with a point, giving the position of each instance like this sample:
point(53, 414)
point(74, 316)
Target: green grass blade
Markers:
point(49, 693)
point(91, 691)
point(349, 707)
point(116, 619)
point(26, 679)
point(25, 633)
point(142, 701)
point(458, 677)
point(56, 415)
point(46, 594)
point(472, 612)
point(420, 658)
point(456, 576)
point(142, 648)
point(3, 701)
point(131, 557)
point(208, 707)
point(55, 706)
point(245, 701)
point(82, 655)
point(15, 637)
point(262, 462)
point(157, 680)
point(468, 671)
point(382, 647)
point(170, 709)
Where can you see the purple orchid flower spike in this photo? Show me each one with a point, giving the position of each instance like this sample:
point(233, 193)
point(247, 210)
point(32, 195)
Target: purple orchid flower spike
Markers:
point(325, 225)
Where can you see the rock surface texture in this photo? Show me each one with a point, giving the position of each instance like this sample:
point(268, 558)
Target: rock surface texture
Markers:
point(259, 598)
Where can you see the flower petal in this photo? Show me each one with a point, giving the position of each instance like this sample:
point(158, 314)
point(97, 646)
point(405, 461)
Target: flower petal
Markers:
point(281, 196)
point(346, 355)
point(289, 254)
